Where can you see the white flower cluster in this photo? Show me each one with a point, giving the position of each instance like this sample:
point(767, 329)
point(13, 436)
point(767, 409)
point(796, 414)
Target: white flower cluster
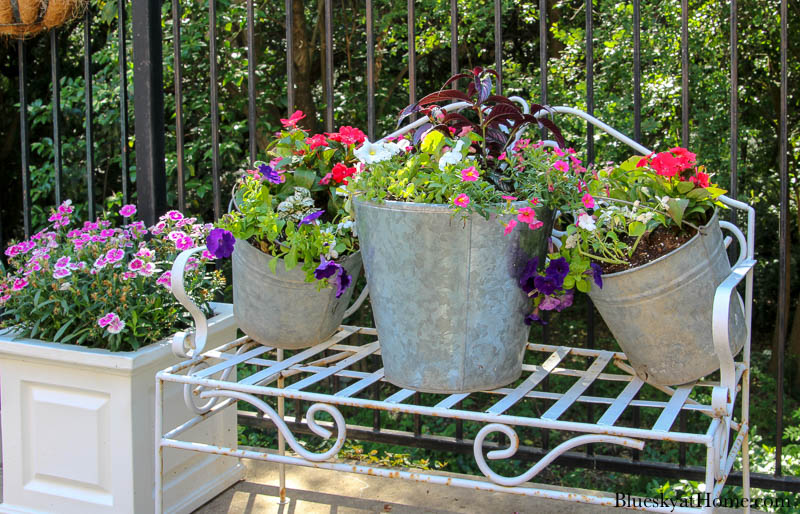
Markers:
point(370, 153)
point(451, 157)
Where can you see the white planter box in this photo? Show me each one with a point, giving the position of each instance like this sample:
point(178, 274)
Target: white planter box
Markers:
point(78, 429)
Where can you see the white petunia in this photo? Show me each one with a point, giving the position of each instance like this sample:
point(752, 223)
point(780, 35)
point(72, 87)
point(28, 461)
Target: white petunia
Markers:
point(586, 222)
point(370, 153)
point(452, 157)
point(572, 241)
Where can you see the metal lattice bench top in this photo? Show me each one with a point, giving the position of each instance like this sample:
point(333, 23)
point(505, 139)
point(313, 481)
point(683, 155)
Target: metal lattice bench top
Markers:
point(340, 356)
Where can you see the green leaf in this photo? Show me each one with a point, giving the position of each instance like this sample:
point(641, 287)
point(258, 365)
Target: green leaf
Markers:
point(631, 163)
point(305, 178)
point(637, 228)
point(698, 194)
point(684, 187)
point(63, 329)
point(676, 208)
point(569, 282)
point(273, 265)
point(290, 261)
point(583, 286)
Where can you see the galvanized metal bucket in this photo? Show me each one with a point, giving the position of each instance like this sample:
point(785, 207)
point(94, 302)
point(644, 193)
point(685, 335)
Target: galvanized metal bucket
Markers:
point(445, 294)
point(661, 313)
point(281, 309)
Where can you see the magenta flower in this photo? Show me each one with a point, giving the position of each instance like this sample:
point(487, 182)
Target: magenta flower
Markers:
point(174, 215)
point(19, 284)
point(114, 255)
point(145, 252)
point(61, 273)
point(112, 323)
point(128, 210)
point(165, 279)
point(66, 207)
point(461, 200)
point(100, 263)
point(4, 299)
point(136, 264)
point(184, 243)
point(588, 201)
point(469, 174)
point(62, 262)
point(509, 198)
point(561, 166)
point(148, 269)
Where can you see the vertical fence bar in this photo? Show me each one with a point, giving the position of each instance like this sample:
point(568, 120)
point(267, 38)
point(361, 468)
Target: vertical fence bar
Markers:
point(251, 80)
point(55, 71)
point(783, 285)
point(454, 40)
point(685, 144)
point(498, 44)
point(178, 79)
point(590, 334)
point(637, 126)
point(215, 161)
point(637, 64)
point(685, 73)
point(289, 57)
point(370, 71)
point(87, 77)
point(328, 66)
point(412, 55)
point(734, 186)
point(148, 103)
point(24, 136)
point(543, 51)
point(123, 98)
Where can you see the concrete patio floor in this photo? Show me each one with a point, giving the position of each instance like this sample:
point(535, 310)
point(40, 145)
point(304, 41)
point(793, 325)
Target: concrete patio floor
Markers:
point(317, 491)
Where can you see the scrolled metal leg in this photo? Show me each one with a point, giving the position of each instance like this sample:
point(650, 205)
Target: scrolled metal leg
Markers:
point(544, 462)
point(283, 429)
point(191, 393)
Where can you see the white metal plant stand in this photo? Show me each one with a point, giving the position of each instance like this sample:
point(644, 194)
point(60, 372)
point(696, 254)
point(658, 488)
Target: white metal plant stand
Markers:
point(218, 378)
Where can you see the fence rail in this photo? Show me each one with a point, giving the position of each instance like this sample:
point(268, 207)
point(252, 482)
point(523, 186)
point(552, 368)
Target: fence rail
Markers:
point(151, 188)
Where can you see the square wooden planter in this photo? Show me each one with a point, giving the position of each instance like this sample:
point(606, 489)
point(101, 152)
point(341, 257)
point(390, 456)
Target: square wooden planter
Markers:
point(78, 429)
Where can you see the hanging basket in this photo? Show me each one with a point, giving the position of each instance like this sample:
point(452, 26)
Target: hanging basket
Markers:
point(25, 18)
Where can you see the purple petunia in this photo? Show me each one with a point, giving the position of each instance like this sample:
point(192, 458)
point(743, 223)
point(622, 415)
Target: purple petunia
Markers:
point(311, 217)
point(534, 317)
point(270, 174)
point(336, 273)
point(597, 274)
point(558, 268)
point(547, 285)
point(526, 281)
point(220, 243)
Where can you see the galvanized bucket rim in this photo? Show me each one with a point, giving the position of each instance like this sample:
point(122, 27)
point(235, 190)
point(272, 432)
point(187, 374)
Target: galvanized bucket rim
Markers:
point(664, 257)
point(297, 270)
point(426, 207)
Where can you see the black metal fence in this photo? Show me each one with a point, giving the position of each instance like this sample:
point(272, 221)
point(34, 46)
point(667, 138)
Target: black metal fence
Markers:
point(151, 183)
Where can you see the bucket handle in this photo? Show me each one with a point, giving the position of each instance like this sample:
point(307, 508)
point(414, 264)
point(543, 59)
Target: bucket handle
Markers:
point(190, 343)
point(739, 237)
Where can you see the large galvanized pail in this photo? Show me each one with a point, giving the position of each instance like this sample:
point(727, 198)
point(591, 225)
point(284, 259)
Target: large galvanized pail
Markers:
point(281, 309)
point(445, 294)
point(661, 312)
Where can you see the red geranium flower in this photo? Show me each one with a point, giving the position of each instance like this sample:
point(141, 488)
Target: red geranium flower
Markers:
point(348, 136)
point(644, 161)
point(700, 179)
point(666, 164)
point(340, 172)
point(316, 141)
point(293, 119)
point(686, 158)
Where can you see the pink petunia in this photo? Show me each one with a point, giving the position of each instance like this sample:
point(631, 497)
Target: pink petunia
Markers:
point(510, 226)
point(588, 201)
point(128, 210)
point(536, 225)
point(526, 215)
point(469, 174)
point(561, 166)
point(461, 200)
point(509, 198)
